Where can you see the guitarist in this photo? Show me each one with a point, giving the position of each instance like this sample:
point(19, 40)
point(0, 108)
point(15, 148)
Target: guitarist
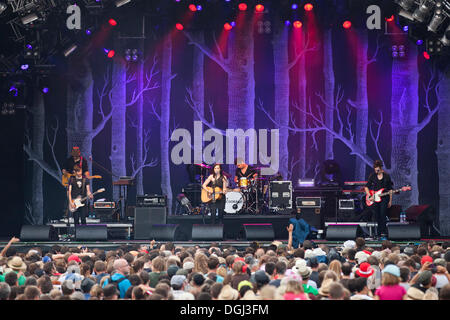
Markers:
point(76, 159)
point(217, 179)
point(78, 186)
point(376, 181)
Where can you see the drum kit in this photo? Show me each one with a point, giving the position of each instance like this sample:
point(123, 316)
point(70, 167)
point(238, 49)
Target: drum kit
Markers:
point(249, 195)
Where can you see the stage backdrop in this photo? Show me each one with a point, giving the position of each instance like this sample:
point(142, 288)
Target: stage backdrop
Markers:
point(332, 94)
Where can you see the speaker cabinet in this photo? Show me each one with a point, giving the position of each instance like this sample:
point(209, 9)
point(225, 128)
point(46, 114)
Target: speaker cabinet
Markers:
point(259, 232)
point(144, 218)
point(207, 232)
point(88, 232)
point(343, 232)
point(164, 232)
point(403, 231)
point(312, 216)
point(38, 233)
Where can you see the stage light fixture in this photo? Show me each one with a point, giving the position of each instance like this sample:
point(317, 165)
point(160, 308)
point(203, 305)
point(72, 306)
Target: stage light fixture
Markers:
point(426, 55)
point(294, 6)
point(406, 14)
point(347, 24)
point(419, 42)
point(3, 7)
point(405, 4)
point(192, 7)
point(45, 90)
point(445, 40)
point(24, 66)
point(120, 3)
point(242, 6)
point(29, 18)
point(70, 49)
point(259, 8)
point(437, 19)
point(287, 23)
point(227, 26)
point(405, 28)
point(308, 7)
point(111, 53)
point(199, 7)
point(179, 26)
point(88, 32)
point(112, 22)
point(434, 46)
point(423, 11)
point(297, 24)
point(390, 19)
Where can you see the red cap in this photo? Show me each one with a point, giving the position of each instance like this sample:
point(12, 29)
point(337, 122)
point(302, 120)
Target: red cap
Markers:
point(74, 257)
point(365, 270)
point(425, 259)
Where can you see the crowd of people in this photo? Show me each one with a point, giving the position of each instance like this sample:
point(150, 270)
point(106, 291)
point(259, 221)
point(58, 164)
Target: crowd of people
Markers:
point(164, 271)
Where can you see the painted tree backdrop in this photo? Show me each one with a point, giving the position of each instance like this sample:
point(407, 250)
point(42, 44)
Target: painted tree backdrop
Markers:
point(330, 96)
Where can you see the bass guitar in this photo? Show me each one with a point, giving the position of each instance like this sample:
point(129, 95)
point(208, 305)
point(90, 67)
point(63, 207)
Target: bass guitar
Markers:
point(375, 196)
point(79, 201)
point(216, 194)
point(66, 177)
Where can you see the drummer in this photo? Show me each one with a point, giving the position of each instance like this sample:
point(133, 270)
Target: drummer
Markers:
point(244, 173)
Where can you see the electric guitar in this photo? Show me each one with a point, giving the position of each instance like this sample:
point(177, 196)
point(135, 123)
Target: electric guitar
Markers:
point(376, 195)
point(216, 194)
point(66, 177)
point(79, 201)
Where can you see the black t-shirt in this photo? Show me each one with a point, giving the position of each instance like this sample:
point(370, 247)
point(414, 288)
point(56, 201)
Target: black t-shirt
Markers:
point(373, 183)
point(70, 163)
point(217, 182)
point(248, 174)
point(78, 187)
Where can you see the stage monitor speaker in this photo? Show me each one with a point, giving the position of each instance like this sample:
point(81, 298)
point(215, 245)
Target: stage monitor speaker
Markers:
point(144, 218)
point(259, 232)
point(207, 232)
point(403, 231)
point(164, 232)
point(343, 232)
point(38, 233)
point(91, 232)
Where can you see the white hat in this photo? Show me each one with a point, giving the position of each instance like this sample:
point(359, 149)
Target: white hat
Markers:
point(309, 254)
point(319, 252)
point(350, 244)
point(361, 257)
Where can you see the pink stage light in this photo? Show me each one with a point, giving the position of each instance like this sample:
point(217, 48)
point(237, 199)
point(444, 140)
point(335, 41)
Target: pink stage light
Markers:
point(347, 24)
point(242, 6)
point(297, 24)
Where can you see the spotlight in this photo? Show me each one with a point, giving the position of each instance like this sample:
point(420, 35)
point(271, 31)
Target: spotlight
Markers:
point(406, 14)
point(434, 46)
point(419, 42)
point(2, 7)
point(297, 24)
point(437, 19)
point(29, 47)
point(24, 67)
point(445, 40)
point(29, 18)
point(294, 6)
point(308, 7)
point(227, 26)
point(287, 22)
point(111, 53)
point(423, 11)
point(405, 28)
point(426, 55)
point(347, 24)
point(69, 50)
point(128, 54)
point(179, 26)
point(405, 4)
point(242, 6)
point(193, 7)
point(88, 32)
point(120, 3)
point(45, 90)
point(259, 8)
point(390, 19)
point(112, 22)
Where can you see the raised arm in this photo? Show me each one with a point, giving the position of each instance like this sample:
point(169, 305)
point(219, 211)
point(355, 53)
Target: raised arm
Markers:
point(11, 241)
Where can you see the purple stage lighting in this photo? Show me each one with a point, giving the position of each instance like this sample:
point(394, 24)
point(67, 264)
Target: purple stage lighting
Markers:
point(287, 22)
point(29, 46)
point(294, 6)
point(419, 42)
point(88, 32)
point(24, 67)
point(45, 90)
point(12, 88)
point(233, 23)
point(405, 28)
point(199, 8)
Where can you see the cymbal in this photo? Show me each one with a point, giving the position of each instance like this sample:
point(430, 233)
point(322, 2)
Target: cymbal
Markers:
point(202, 165)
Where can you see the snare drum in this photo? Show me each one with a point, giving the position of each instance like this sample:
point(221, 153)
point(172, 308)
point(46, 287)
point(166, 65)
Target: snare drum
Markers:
point(234, 202)
point(243, 182)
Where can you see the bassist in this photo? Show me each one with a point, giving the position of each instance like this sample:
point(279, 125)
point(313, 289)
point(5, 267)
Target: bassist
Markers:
point(78, 186)
point(217, 179)
point(376, 181)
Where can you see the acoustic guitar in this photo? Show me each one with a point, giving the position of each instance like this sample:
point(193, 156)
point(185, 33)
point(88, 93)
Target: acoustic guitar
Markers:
point(66, 177)
point(216, 194)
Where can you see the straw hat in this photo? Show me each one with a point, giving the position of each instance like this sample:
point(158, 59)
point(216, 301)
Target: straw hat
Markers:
point(16, 263)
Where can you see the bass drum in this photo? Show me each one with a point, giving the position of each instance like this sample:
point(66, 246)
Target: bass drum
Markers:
point(234, 202)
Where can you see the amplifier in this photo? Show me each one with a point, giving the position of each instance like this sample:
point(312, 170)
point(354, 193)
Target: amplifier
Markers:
point(104, 205)
point(346, 204)
point(308, 202)
point(152, 200)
